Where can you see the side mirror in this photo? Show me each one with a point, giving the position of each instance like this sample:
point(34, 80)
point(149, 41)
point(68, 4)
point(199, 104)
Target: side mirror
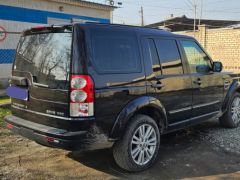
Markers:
point(217, 66)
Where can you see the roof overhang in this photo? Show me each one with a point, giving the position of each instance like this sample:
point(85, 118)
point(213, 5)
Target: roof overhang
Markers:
point(87, 4)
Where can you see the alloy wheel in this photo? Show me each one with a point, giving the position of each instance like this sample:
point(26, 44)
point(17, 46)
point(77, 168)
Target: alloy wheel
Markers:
point(235, 109)
point(143, 144)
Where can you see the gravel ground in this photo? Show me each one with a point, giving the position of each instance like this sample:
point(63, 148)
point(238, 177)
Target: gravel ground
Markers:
point(205, 151)
point(225, 138)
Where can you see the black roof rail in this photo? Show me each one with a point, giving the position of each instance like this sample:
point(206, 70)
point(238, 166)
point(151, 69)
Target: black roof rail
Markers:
point(124, 25)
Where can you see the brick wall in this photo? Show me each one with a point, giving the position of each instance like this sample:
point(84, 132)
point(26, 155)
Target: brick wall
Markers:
point(221, 44)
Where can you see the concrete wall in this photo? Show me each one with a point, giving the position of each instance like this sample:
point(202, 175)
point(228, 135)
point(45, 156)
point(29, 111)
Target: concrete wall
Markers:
point(221, 44)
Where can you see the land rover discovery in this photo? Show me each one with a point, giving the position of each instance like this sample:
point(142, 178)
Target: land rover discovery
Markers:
point(92, 86)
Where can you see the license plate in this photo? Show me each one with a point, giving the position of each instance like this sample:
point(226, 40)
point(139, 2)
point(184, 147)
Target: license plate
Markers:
point(17, 93)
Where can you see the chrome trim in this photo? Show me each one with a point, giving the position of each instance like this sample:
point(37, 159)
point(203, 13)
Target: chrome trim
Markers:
point(40, 85)
point(195, 106)
point(191, 119)
point(43, 114)
point(205, 104)
point(56, 102)
point(180, 110)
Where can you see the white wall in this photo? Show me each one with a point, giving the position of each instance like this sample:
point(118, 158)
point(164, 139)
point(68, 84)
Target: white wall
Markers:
point(54, 6)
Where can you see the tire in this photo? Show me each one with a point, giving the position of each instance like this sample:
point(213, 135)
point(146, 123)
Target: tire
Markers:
point(123, 149)
point(231, 119)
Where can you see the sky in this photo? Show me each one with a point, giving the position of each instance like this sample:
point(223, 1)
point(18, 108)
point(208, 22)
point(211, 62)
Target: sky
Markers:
point(158, 10)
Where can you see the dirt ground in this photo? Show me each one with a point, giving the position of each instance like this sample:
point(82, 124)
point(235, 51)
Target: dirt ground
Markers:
point(185, 154)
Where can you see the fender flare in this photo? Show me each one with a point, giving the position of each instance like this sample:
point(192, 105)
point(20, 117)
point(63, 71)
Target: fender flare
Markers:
point(130, 109)
point(235, 86)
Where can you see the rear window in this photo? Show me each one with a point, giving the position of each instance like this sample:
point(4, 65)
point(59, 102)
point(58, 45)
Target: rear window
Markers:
point(115, 52)
point(47, 57)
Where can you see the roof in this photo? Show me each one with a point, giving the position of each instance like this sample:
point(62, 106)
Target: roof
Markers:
point(86, 4)
point(183, 23)
point(139, 29)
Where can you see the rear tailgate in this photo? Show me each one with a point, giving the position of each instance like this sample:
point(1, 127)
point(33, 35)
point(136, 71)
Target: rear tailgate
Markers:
point(41, 75)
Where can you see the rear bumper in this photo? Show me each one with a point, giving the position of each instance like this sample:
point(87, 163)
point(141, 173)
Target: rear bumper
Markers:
point(55, 137)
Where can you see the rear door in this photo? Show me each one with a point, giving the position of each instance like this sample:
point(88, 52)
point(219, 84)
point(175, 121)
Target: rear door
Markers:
point(116, 66)
point(41, 69)
point(208, 86)
point(166, 79)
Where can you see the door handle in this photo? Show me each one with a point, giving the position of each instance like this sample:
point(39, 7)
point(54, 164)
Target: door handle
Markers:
point(158, 85)
point(198, 81)
point(227, 83)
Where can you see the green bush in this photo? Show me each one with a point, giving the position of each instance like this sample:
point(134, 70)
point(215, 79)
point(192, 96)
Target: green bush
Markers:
point(3, 113)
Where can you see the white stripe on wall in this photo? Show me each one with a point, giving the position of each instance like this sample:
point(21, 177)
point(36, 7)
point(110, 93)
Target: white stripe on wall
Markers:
point(5, 70)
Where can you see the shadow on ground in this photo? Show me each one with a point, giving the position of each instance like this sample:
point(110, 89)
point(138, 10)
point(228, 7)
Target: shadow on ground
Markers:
point(183, 154)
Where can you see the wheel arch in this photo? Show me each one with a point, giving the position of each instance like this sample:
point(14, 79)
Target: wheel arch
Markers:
point(235, 87)
point(144, 105)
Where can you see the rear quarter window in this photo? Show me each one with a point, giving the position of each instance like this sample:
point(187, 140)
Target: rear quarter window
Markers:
point(115, 52)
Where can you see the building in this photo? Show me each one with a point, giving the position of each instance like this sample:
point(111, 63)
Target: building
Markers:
point(15, 16)
point(222, 44)
point(184, 23)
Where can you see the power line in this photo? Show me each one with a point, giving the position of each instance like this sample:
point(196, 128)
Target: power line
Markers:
point(191, 4)
point(219, 1)
point(188, 3)
point(186, 9)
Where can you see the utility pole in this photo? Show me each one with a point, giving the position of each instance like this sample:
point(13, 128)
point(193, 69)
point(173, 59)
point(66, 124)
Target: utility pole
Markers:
point(195, 16)
point(200, 13)
point(142, 17)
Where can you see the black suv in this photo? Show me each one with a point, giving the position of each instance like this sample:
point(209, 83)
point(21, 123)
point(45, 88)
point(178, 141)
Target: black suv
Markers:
point(90, 86)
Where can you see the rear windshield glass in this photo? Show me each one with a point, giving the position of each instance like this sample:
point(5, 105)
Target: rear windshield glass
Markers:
point(47, 57)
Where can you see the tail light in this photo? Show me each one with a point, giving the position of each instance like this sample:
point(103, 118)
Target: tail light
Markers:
point(81, 96)
point(9, 126)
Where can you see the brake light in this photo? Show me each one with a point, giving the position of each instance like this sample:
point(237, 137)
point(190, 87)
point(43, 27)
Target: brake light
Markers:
point(39, 28)
point(81, 96)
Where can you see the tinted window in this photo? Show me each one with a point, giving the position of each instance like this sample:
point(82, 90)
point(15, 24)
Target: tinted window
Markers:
point(169, 56)
point(195, 56)
point(154, 57)
point(115, 52)
point(46, 57)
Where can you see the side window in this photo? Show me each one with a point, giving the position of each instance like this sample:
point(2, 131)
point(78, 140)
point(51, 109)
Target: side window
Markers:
point(154, 57)
point(115, 52)
point(169, 56)
point(197, 59)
